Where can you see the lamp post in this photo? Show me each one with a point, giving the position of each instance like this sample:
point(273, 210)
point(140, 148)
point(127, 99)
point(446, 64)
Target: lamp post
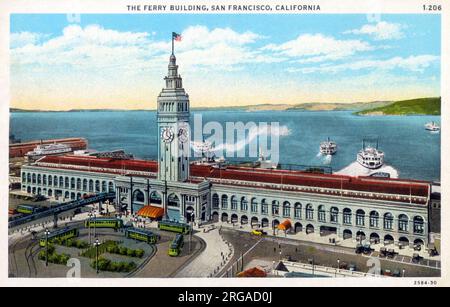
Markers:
point(97, 243)
point(47, 232)
point(403, 272)
point(89, 227)
point(95, 225)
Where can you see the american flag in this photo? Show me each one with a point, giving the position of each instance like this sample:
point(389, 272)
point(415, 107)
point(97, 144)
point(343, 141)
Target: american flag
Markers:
point(176, 36)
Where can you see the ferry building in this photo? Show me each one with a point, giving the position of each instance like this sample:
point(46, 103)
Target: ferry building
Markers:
point(379, 209)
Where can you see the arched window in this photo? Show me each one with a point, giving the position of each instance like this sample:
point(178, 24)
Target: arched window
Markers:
point(61, 182)
point(111, 187)
point(286, 209)
point(347, 215)
point(298, 210)
point(173, 201)
point(388, 221)
point(374, 219)
point(234, 203)
point(403, 222)
point(244, 204)
point(44, 179)
point(66, 183)
point(309, 212)
point(78, 184)
point(28, 177)
point(55, 181)
point(39, 179)
point(334, 215)
point(34, 178)
point(215, 201)
point(85, 185)
point(224, 202)
point(254, 205)
point(155, 198)
point(72, 184)
point(275, 207)
point(418, 224)
point(91, 185)
point(104, 186)
point(360, 217)
point(321, 214)
point(50, 180)
point(97, 186)
point(24, 177)
point(264, 207)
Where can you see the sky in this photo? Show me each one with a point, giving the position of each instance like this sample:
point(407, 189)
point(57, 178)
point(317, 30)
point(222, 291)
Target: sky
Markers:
point(61, 62)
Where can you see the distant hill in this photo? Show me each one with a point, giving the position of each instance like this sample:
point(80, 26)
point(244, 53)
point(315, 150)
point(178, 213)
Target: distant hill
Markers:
point(420, 106)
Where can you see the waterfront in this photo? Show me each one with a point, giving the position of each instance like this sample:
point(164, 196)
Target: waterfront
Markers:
point(414, 152)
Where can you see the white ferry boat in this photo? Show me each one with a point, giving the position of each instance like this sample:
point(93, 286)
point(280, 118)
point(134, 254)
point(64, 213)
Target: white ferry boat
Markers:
point(328, 147)
point(265, 163)
point(48, 150)
point(370, 157)
point(432, 126)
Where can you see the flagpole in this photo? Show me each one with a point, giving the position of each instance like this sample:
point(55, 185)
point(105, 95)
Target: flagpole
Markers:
point(172, 43)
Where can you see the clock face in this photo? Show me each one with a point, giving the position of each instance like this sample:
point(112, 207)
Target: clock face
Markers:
point(167, 135)
point(183, 135)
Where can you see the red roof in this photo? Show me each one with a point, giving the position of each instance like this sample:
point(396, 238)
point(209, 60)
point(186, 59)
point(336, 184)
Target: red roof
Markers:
point(237, 175)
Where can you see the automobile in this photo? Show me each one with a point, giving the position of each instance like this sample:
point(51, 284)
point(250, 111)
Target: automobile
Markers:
point(387, 273)
point(352, 267)
point(396, 273)
point(359, 249)
point(258, 232)
point(416, 258)
point(383, 252)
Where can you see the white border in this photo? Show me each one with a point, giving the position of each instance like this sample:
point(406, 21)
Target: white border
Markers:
point(119, 7)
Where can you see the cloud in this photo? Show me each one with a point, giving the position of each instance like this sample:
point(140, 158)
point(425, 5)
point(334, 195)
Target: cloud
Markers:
point(381, 31)
point(96, 48)
point(314, 48)
point(24, 38)
point(412, 63)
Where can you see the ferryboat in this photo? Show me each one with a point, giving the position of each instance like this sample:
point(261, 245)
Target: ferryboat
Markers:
point(48, 150)
point(328, 147)
point(432, 126)
point(370, 157)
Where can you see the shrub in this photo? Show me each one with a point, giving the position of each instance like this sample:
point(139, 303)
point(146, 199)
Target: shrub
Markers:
point(123, 250)
point(131, 252)
point(139, 253)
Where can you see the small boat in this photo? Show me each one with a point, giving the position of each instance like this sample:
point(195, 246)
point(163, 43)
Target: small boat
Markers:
point(432, 126)
point(328, 147)
point(370, 157)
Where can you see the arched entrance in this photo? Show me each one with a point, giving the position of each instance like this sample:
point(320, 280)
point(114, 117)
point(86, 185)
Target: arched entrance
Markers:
point(347, 234)
point(173, 207)
point(309, 229)
point(155, 198)
point(403, 242)
point(244, 220)
point(298, 227)
point(137, 200)
point(224, 217)
point(360, 236)
point(215, 216)
point(374, 238)
point(388, 239)
point(264, 222)
point(254, 222)
point(234, 218)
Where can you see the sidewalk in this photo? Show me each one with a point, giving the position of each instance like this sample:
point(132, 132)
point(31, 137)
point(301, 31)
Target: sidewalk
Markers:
point(214, 257)
point(316, 238)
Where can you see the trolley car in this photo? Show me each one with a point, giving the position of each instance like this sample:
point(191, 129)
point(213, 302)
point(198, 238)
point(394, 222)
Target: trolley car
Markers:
point(63, 234)
point(176, 245)
point(104, 222)
point(141, 235)
point(182, 228)
point(26, 209)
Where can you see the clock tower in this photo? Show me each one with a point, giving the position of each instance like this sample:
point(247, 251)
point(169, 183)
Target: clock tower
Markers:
point(173, 127)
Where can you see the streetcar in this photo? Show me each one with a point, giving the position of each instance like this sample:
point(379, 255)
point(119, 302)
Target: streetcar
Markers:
point(63, 234)
point(26, 209)
point(141, 235)
point(182, 228)
point(104, 222)
point(176, 245)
